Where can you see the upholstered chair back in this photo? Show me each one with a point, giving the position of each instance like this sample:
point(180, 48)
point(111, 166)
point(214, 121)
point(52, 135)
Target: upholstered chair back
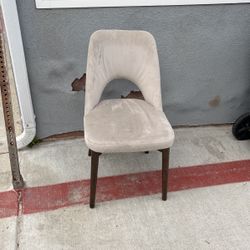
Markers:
point(122, 54)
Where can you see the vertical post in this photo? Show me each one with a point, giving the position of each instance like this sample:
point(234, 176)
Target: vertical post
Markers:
point(17, 179)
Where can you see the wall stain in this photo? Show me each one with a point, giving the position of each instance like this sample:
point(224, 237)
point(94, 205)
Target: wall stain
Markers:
point(215, 101)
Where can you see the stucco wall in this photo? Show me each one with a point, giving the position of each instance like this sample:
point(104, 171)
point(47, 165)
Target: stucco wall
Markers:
point(204, 56)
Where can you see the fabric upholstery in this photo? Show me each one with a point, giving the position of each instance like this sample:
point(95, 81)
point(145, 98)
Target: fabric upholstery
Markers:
point(124, 125)
point(127, 125)
point(122, 54)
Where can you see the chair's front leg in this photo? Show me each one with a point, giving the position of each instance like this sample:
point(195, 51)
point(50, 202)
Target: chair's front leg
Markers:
point(93, 180)
point(165, 166)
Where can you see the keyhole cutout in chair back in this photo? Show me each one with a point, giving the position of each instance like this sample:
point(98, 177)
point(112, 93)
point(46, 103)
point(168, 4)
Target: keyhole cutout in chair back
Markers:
point(121, 88)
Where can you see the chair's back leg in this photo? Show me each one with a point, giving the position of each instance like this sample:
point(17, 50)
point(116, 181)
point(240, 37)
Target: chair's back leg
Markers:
point(93, 180)
point(165, 167)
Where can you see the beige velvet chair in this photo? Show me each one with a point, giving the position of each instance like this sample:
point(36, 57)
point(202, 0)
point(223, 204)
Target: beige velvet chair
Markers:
point(124, 125)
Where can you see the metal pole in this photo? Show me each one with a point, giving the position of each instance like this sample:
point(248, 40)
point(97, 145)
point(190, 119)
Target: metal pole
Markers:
point(17, 179)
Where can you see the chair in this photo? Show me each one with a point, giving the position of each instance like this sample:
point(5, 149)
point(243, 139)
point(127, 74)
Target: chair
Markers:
point(124, 125)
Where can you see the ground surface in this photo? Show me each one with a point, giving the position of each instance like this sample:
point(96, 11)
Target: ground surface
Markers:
point(53, 212)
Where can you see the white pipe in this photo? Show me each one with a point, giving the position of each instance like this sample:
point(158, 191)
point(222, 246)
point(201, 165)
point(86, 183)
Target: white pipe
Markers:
point(15, 42)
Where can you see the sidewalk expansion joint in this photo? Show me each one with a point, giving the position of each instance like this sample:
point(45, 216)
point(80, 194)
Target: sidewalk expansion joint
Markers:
point(19, 217)
point(4, 153)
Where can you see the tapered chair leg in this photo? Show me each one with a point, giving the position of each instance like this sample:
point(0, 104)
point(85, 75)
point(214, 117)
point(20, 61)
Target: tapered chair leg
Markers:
point(165, 167)
point(89, 153)
point(93, 180)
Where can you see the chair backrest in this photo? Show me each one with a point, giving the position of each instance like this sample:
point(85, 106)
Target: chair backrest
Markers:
point(122, 54)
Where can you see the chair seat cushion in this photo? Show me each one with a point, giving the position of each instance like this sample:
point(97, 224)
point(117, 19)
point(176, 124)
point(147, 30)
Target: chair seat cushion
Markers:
point(127, 125)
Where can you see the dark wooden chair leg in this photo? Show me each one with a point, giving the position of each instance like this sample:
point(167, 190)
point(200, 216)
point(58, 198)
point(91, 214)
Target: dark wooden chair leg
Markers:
point(89, 153)
point(165, 167)
point(93, 180)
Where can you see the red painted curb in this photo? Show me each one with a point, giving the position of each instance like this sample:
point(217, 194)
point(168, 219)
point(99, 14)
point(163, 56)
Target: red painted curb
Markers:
point(45, 198)
point(8, 204)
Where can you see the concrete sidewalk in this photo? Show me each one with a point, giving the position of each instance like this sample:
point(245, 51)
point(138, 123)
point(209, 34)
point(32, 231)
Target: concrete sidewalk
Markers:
point(215, 217)
point(67, 160)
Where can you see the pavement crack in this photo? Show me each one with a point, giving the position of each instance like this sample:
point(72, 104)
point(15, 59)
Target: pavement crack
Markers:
point(4, 153)
point(19, 223)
